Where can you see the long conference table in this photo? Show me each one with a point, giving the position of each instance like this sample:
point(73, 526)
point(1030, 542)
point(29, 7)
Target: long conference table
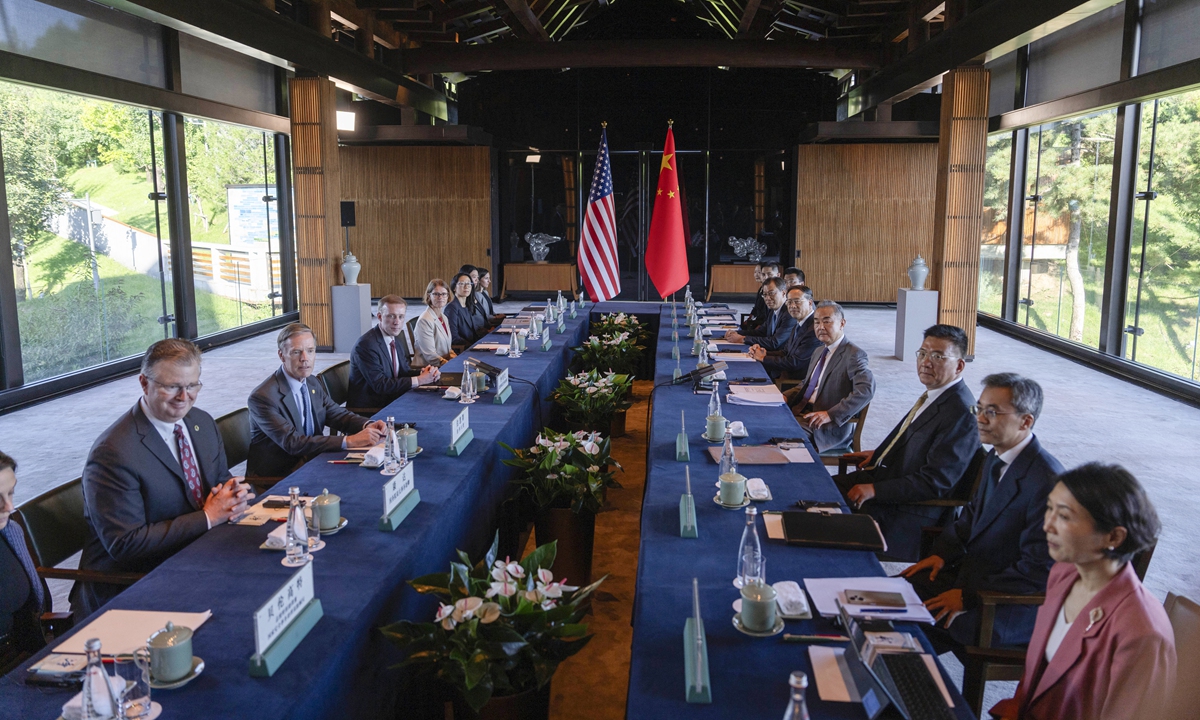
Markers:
point(748, 676)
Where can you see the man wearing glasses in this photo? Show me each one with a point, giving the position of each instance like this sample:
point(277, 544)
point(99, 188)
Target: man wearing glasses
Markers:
point(290, 410)
point(156, 479)
point(998, 543)
point(776, 327)
point(379, 369)
point(925, 455)
point(795, 354)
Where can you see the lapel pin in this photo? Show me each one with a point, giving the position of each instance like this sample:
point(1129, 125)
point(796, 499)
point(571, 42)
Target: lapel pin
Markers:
point(1094, 616)
point(196, 428)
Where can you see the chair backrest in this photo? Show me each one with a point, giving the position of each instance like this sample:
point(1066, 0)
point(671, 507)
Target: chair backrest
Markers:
point(235, 434)
point(411, 330)
point(337, 382)
point(55, 524)
point(965, 488)
point(1185, 621)
point(859, 419)
point(1141, 561)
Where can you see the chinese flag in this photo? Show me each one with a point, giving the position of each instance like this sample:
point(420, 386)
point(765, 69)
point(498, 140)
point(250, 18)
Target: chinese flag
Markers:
point(666, 247)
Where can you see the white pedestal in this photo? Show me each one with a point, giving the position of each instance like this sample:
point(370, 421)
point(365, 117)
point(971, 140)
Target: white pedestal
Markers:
point(916, 310)
point(351, 315)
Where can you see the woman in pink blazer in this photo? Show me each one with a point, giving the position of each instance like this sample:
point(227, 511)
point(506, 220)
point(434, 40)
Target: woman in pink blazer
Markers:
point(1102, 646)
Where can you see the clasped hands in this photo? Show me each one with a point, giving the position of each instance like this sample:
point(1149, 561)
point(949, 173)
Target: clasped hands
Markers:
point(227, 500)
point(370, 436)
point(429, 375)
point(949, 604)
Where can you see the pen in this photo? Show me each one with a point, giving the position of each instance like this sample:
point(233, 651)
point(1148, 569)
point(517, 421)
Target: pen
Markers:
point(815, 638)
point(345, 462)
point(866, 611)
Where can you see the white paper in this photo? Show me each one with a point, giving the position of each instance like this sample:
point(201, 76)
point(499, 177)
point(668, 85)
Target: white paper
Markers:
point(765, 395)
point(832, 684)
point(796, 454)
point(489, 346)
point(774, 524)
point(826, 591)
point(937, 677)
point(123, 631)
point(731, 356)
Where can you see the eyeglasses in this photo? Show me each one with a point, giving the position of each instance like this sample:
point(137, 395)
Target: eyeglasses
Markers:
point(439, 294)
point(934, 356)
point(464, 285)
point(990, 412)
point(173, 390)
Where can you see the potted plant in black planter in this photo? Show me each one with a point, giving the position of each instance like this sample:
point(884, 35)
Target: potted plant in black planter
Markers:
point(567, 477)
point(614, 352)
point(630, 358)
point(597, 401)
point(499, 634)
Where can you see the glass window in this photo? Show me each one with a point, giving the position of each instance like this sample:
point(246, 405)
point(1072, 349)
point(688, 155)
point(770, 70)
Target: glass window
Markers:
point(1164, 282)
point(1069, 174)
point(995, 223)
point(88, 241)
point(235, 233)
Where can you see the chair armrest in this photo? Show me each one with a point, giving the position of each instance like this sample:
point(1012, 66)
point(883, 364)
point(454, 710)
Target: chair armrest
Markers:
point(989, 601)
point(996, 655)
point(942, 502)
point(114, 578)
point(845, 461)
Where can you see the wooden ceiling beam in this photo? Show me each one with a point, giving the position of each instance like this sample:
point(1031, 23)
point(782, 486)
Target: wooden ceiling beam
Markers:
point(404, 15)
point(479, 31)
point(524, 55)
point(521, 20)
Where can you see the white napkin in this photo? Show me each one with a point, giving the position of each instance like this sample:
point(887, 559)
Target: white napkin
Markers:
point(277, 539)
point(757, 489)
point(737, 428)
point(373, 457)
point(73, 709)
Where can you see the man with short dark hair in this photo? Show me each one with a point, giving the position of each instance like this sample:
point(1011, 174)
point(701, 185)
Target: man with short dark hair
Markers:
point(795, 354)
point(379, 370)
point(760, 311)
point(998, 543)
point(926, 454)
point(793, 277)
point(776, 328)
point(290, 410)
point(156, 479)
point(838, 383)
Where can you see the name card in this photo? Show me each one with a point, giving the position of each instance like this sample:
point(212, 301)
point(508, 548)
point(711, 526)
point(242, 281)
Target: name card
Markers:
point(502, 380)
point(397, 489)
point(459, 426)
point(274, 617)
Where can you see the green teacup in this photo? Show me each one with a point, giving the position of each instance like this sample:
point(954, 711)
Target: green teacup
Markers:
point(758, 606)
point(733, 489)
point(328, 509)
point(170, 653)
point(715, 428)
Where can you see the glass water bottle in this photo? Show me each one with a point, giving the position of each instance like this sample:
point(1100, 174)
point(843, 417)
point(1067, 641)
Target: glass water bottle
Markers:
point(714, 400)
point(514, 345)
point(99, 700)
point(389, 447)
point(728, 459)
point(749, 550)
point(297, 530)
point(797, 709)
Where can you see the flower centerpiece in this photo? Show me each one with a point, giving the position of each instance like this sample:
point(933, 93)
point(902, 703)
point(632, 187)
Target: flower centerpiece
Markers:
point(502, 627)
point(616, 352)
point(591, 399)
point(616, 323)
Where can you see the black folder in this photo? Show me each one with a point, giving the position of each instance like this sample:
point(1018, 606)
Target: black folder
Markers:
point(842, 531)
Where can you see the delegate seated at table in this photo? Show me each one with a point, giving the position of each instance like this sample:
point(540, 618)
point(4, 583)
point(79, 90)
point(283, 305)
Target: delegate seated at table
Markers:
point(776, 328)
point(156, 479)
point(290, 410)
point(23, 593)
point(432, 336)
point(837, 385)
point(795, 354)
point(379, 370)
point(759, 312)
point(794, 277)
point(926, 454)
point(467, 321)
point(997, 543)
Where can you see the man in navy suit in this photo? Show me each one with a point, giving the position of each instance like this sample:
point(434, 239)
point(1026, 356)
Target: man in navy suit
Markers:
point(290, 410)
point(156, 479)
point(795, 354)
point(926, 454)
point(379, 370)
point(776, 328)
point(997, 543)
point(759, 312)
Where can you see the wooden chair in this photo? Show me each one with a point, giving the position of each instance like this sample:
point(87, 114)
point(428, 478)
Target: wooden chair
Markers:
point(411, 337)
point(56, 529)
point(982, 662)
point(1185, 621)
point(234, 428)
point(834, 456)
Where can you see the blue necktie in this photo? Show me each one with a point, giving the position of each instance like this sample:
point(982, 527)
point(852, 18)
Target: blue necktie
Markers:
point(990, 482)
point(307, 409)
point(811, 387)
point(16, 540)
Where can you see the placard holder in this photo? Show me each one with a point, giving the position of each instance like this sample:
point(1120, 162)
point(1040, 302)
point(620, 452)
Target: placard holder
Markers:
point(392, 520)
point(502, 396)
point(572, 313)
point(546, 343)
point(561, 327)
point(266, 664)
point(460, 445)
point(675, 352)
point(682, 452)
point(687, 511)
point(695, 654)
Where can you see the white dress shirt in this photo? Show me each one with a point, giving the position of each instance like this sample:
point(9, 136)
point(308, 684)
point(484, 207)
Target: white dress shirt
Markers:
point(825, 368)
point(299, 390)
point(935, 394)
point(1011, 454)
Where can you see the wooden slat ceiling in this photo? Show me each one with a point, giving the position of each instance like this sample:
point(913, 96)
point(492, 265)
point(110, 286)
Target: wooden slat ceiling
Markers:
point(486, 21)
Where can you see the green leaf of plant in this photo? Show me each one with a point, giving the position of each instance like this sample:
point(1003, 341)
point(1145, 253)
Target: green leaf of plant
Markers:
point(542, 557)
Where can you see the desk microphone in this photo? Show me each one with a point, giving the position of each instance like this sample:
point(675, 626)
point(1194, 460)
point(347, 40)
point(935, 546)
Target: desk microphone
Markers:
point(700, 372)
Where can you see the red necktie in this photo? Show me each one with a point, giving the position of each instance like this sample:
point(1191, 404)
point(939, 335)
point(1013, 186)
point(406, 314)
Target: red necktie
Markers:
point(191, 473)
point(395, 361)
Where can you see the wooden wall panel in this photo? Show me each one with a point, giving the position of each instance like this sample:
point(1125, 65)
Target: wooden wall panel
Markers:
point(421, 213)
point(962, 149)
point(863, 212)
point(315, 183)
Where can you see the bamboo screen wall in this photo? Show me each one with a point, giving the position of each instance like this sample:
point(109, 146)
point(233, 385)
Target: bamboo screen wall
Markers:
point(863, 212)
point(421, 212)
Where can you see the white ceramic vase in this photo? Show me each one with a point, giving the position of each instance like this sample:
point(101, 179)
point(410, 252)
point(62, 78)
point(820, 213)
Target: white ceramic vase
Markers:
point(917, 272)
point(350, 268)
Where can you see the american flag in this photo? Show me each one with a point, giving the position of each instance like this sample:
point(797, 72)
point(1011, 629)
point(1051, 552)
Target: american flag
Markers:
point(598, 241)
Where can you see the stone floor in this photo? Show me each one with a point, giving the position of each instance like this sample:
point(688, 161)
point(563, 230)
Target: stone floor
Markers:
point(1088, 415)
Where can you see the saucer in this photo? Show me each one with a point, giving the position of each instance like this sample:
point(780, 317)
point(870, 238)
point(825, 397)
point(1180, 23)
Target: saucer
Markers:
point(717, 500)
point(334, 531)
point(736, 436)
point(737, 623)
point(287, 562)
point(197, 668)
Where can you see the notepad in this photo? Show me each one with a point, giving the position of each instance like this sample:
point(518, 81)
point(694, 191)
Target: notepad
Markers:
point(751, 455)
point(123, 631)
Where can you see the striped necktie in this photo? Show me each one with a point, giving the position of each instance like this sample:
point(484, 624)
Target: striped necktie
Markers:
point(903, 426)
point(16, 540)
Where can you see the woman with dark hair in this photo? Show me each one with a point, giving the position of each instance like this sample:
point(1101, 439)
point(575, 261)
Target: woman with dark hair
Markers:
point(1102, 646)
point(483, 295)
point(467, 321)
point(23, 594)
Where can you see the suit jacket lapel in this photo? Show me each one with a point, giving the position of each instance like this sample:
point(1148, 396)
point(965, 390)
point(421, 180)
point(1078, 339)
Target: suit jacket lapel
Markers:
point(289, 401)
point(1007, 491)
point(383, 345)
point(154, 442)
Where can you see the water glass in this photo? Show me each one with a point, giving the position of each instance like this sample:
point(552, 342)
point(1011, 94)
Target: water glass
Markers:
point(135, 671)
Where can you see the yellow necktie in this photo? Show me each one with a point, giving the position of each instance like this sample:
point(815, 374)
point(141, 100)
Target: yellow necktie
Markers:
point(903, 426)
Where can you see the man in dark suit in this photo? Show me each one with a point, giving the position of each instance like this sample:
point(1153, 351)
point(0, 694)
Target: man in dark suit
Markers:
point(23, 593)
point(156, 479)
point(998, 542)
point(793, 277)
point(379, 371)
point(795, 354)
point(837, 385)
point(759, 313)
point(926, 454)
point(290, 410)
point(776, 328)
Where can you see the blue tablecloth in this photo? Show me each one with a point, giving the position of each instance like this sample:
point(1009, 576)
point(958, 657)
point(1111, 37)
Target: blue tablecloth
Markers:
point(341, 668)
point(749, 675)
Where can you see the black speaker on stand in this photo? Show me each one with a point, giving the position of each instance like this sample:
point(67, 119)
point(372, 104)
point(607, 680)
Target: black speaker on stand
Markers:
point(347, 221)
